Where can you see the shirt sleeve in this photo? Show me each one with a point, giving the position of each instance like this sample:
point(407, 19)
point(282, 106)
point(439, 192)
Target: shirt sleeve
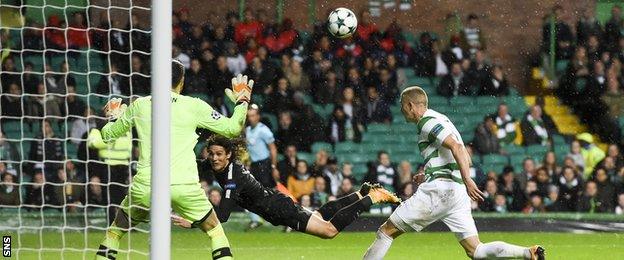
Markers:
point(114, 130)
point(214, 121)
point(435, 132)
point(267, 136)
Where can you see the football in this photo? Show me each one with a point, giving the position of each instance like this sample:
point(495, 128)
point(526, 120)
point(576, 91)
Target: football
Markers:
point(342, 22)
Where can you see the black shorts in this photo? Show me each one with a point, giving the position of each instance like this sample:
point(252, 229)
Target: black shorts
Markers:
point(280, 210)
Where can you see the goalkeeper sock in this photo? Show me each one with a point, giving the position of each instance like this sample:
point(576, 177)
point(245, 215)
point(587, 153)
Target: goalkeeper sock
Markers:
point(329, 209)
point(348, 214)
point(501, 250)
point(220, 244)
point(110, 245)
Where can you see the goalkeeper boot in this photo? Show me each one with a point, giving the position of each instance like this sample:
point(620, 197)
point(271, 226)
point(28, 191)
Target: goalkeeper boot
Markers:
point(381, 195)
point(537, 252)
point(367, 186)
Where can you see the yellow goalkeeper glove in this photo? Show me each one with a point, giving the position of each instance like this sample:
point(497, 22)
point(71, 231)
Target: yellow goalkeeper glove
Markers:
point(241, 89)
point(114, 108)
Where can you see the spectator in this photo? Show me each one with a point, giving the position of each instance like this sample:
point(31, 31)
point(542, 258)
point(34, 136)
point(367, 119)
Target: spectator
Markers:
point(328, 91)
point(534, 130)
point(114, 84)
point(351, 105)
point(9, 190)
point(281, 98)
point(75, 106)
point(355, 82)
point(505, 125)
point(47, 151)
point(195, 80)
point(563, 33)
point(366, 28)
point(319, 196)
point(220, 77)
point(287, 133)
point(288, 165)
point(495, 84)
point(347, 171)
point(180, 55)
point(299, 81)
point(30, 80)
point(575, 154)
point(384, 172)
point(407, 190)
point(536, 205)
point(542, 180)
point(77, 32)
point(9, 154)
point(263, 74)
point(375, 109)
point(69, 192)
point(552, 202)
point(592, 155)
point(82, 125)
point(500, 204)
point(596, 82)
point(491, 189)
point(454, 84)
point(606, 190)
point(614, 98)
point(248, 28)
point(508, 185)
point(549, 163)
point(388, 85)
point(346, 188)
point(342, 128)
point(528, 171)
point(613, 151)
point(569, 188)
point(235, 61)
point(472, 35)
point(333, 176)
point(405, 172)
point(12, 101)
point(320, 163)
point(95, 194)
point(485, 139)
point(37, 193)
point(587, 26)
point(594, 52)
point(302, 183)
point(262, 149)
point(284, 39)
point(589, 201)
point(619, 210)
point(614, 25)
point(9, 75)
point(120, 43)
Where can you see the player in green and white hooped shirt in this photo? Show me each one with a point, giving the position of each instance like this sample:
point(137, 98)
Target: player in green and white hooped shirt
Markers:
point(188, 199)
point(444, 189)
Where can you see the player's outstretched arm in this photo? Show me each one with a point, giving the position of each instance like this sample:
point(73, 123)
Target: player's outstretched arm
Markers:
point(240, 93)
point(463, 160)
point(123, 117)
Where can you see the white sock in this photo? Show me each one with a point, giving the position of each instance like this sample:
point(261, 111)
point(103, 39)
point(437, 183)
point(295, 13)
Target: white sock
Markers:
point(500, 250)
point(379, 248)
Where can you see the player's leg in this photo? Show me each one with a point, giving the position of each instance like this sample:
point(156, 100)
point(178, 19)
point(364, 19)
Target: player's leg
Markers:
point(499, 250)
point(414, 214)
point(123, 221)
point(191, 203)
point(329, 209)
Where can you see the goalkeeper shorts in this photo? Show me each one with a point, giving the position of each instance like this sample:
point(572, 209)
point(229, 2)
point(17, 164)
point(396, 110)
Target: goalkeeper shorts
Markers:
point(187, 200)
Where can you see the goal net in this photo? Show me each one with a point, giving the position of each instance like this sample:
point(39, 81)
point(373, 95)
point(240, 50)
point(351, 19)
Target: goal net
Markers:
point(62, 60)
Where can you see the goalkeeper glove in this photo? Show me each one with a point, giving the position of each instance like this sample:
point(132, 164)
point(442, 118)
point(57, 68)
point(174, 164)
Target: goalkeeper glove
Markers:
point(114, 108)
point(241, 89)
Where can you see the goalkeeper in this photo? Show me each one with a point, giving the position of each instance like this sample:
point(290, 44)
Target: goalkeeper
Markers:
point(187, 197)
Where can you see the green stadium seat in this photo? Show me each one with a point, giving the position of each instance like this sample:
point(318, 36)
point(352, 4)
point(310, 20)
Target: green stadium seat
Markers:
point(462, 101)
point(496, 167)
point(558, 140)
point(308, 157)
point(419, 81)
point(537, 151)
point(378, 128)
point(371, 147)
point(513, 149)
point(360, 170)
point(495, 159)
point(476, 159)
point(561, 66)
point(322, 146)
point(272, 119)
point(487, 101)
point(355, 158)
point(347, 147)
point(436, 101)
point(395, 110)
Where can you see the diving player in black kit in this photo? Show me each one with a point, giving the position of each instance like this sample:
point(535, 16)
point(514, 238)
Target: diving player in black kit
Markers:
point(240, 187)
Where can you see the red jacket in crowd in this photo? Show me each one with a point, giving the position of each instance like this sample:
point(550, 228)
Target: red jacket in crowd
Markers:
point(364, 31)
point(244, 31)
point(54, 33)
point(77, 36)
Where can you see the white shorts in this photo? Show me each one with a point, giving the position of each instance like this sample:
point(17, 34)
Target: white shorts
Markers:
point(440, 199)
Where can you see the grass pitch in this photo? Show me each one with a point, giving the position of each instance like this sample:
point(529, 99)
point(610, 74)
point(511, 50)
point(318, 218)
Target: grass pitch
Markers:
point(271, 244)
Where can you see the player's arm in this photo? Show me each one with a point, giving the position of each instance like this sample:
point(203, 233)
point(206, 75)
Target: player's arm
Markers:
point(212, 120)
point(463, 160)
point(123, 123)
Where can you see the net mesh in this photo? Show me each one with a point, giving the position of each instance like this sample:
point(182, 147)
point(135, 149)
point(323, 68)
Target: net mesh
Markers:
point(61, 62)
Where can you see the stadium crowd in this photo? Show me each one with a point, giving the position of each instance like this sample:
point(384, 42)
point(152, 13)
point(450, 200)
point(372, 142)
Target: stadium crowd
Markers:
point(358, 77)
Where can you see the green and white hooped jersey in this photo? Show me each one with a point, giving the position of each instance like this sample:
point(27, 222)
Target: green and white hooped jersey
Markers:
point(433, 128)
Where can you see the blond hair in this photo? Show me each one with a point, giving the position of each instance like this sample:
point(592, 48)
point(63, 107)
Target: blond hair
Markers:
point(415, 94)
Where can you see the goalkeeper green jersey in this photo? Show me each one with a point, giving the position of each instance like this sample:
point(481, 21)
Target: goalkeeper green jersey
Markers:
point(187, 114)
